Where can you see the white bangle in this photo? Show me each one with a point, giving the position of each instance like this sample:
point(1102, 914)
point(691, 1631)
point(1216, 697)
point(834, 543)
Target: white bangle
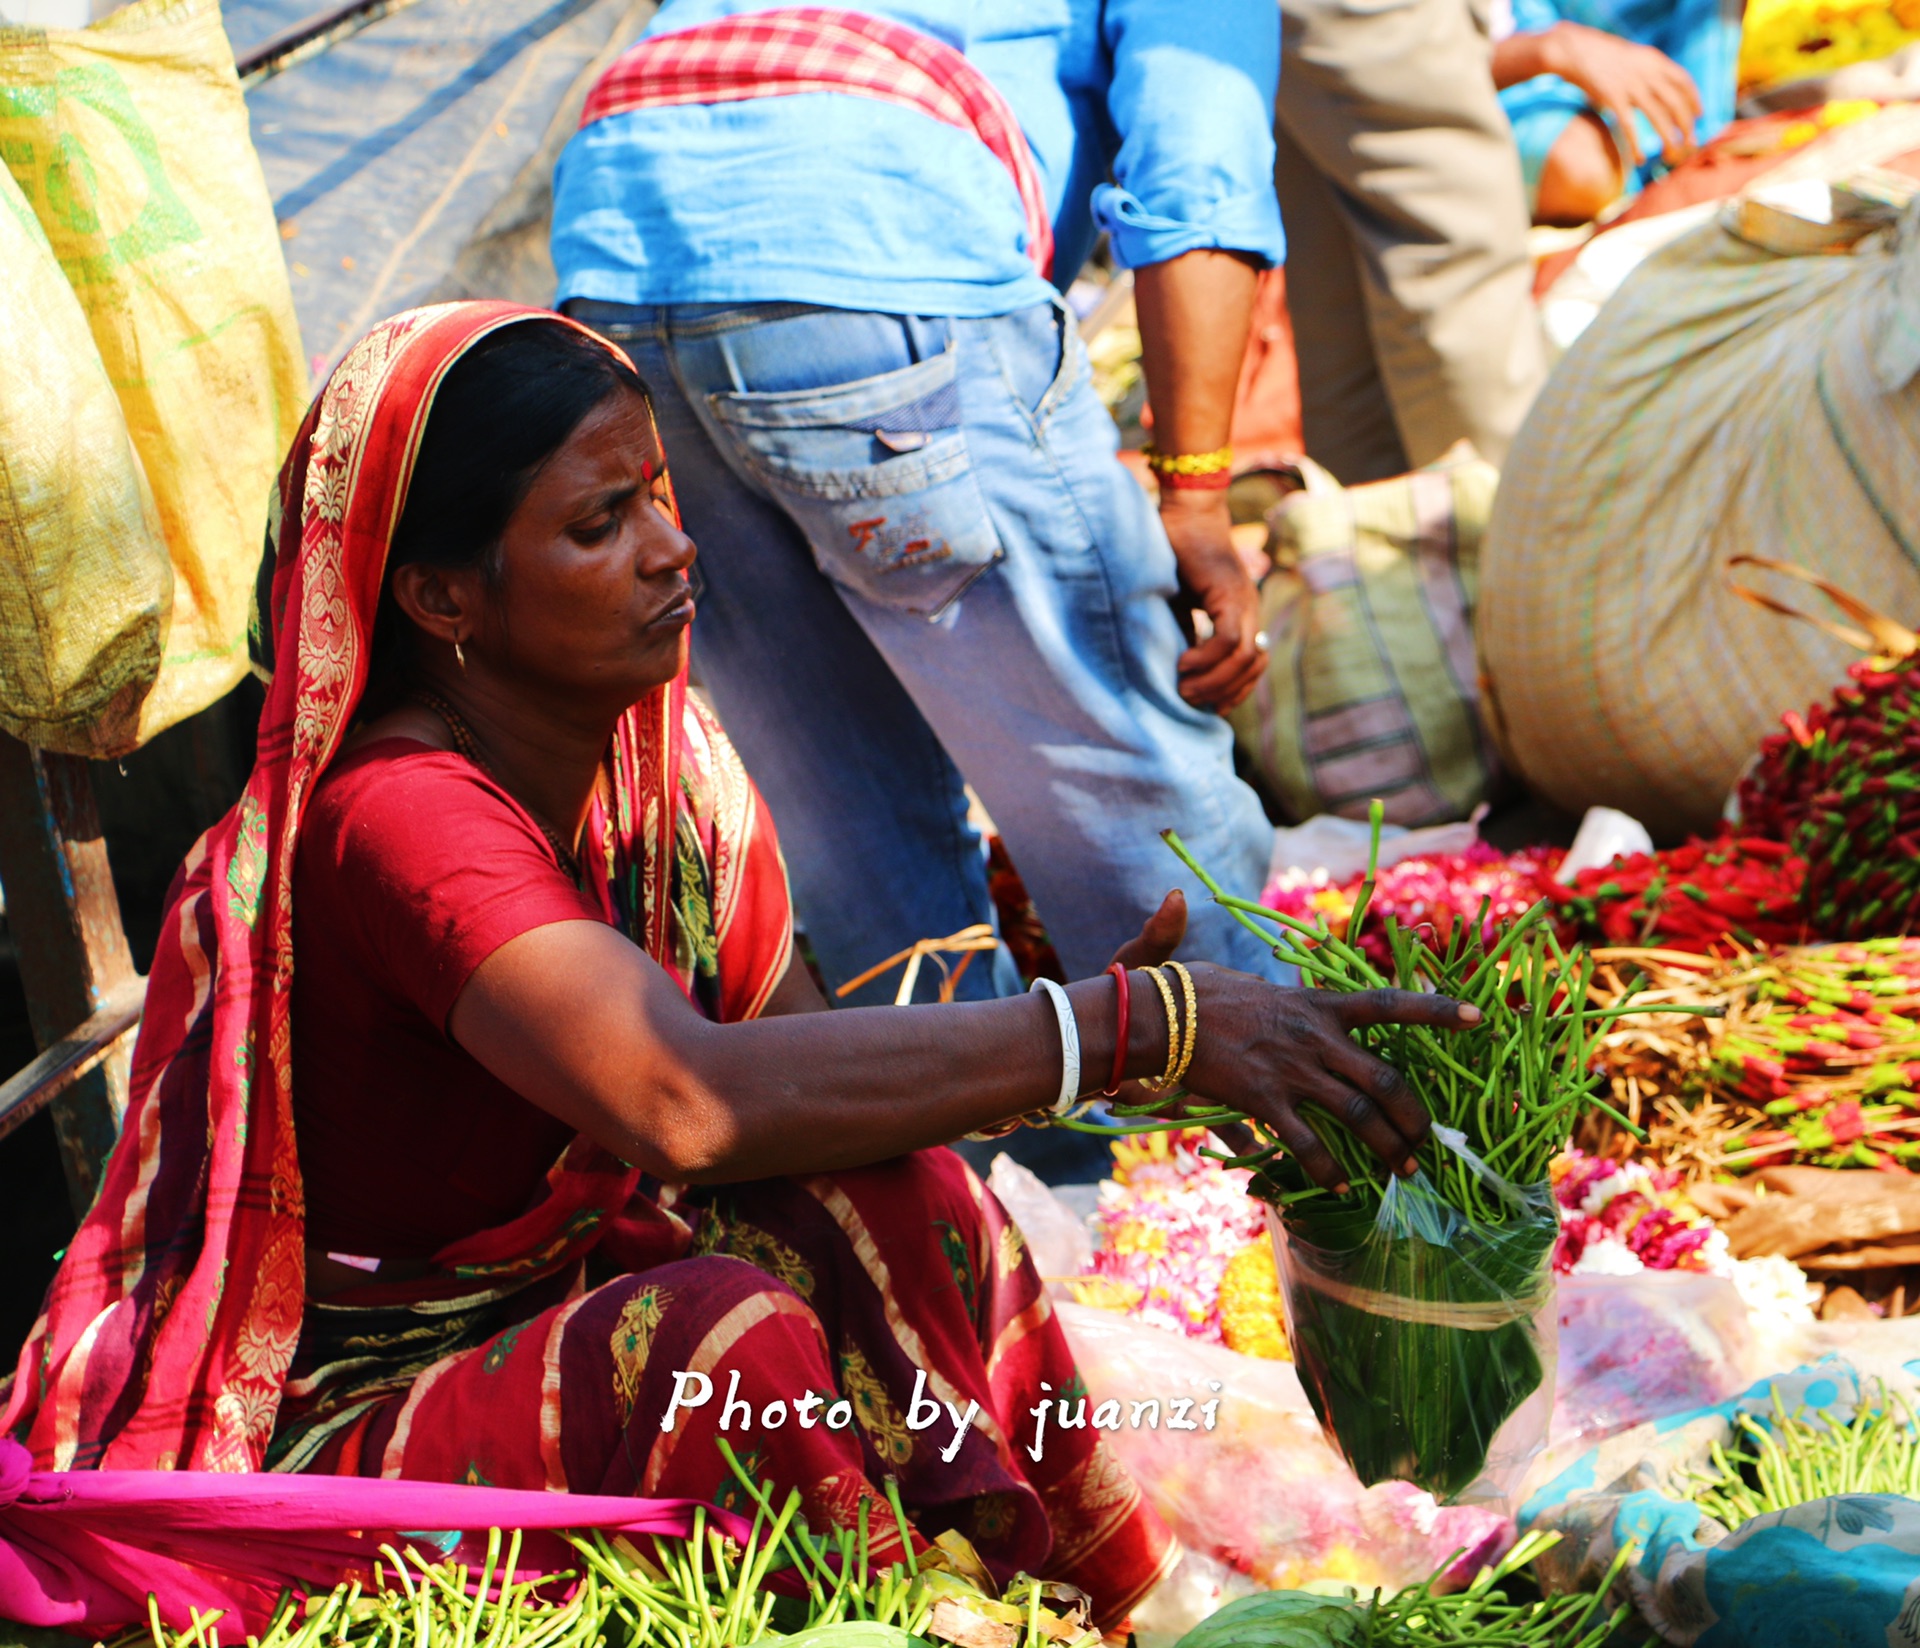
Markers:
point(1069, 1046)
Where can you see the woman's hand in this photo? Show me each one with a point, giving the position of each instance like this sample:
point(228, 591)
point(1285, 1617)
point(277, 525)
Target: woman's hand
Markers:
point(1270, 1051)
point(1160, 934)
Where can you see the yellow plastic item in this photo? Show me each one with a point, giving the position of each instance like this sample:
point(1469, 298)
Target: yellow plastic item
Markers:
point(129, 142)
point(85, 585)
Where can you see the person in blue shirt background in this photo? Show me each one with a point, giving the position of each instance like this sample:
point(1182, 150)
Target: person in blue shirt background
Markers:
point(831, 299)
point(1605, 95)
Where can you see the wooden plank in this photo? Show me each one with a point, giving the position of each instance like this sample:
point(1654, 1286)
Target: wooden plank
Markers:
point(70, 1058)
point(64, 920)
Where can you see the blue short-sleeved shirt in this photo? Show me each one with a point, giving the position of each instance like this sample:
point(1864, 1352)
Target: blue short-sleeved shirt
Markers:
point(1149, 119)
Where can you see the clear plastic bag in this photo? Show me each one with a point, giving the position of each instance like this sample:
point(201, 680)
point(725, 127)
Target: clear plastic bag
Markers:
point(1656, 1342)
point(1426, 1343)
point(1258, 1489)
point(1056, 1236)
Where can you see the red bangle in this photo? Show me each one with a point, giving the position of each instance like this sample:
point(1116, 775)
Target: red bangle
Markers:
point(1173, 481)
point(1119, 971)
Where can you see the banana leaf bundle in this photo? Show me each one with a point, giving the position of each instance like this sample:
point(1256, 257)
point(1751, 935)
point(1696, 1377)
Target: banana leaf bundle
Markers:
point(1420, 1311)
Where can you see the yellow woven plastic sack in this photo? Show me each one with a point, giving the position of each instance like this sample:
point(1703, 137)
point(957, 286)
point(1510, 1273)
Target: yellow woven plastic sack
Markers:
point(129, 142)
point(1728, 399)
point(84, 581)
point(1371, 687)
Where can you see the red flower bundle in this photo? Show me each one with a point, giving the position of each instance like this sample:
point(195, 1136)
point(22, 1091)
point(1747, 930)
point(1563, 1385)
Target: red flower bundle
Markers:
point(1842, 785)
point(1704, 896)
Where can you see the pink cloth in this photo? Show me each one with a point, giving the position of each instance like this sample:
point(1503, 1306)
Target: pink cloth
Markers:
point(82, 1549)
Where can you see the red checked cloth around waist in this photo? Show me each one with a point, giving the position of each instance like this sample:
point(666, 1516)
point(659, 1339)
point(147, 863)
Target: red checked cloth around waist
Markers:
point(821, 49)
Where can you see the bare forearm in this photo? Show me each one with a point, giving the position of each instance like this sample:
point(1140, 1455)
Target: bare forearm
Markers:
point(1522, 56)
point(1194, 311)
point(628, 1062)
point(796, 1092)
point(780, 1096)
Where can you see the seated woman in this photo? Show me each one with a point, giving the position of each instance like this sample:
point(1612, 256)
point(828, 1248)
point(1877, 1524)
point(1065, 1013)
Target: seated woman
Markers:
point(480, 1103)
point(1604, 95)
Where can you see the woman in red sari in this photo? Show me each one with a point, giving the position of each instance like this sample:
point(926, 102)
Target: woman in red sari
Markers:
point(492, 965)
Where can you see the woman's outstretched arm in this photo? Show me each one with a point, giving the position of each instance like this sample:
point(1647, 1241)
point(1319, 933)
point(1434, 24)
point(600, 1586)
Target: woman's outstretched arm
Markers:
point(586, 1026)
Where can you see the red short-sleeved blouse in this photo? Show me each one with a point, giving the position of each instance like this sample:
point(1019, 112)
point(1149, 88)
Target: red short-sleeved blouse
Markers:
point(413, 868)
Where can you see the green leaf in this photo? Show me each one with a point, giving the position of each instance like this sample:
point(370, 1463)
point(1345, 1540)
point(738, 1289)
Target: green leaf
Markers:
point(1281, 1619)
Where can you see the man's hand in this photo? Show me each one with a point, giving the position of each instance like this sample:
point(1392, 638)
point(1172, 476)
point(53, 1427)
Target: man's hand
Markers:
point(1618, 77)
point(1219, 671)
point(1194, 311)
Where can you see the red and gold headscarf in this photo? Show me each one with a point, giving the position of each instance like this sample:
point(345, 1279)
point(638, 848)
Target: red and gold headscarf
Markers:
point(175, 1313)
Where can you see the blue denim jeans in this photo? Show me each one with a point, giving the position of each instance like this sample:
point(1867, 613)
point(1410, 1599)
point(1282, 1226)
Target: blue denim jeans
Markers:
point(919, 560)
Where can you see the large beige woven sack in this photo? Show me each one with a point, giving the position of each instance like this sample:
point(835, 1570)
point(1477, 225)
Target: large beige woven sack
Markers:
point(129, 141)
point(85, 585)
point(1727, 400)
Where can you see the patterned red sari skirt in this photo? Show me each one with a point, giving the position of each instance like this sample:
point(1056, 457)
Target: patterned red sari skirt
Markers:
point(837, 1331)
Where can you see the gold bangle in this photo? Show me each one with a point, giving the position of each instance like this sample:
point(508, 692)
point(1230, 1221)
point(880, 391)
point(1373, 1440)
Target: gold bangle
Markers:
point(1193, 1020)
point(1188, 463)
point(1161, 1083)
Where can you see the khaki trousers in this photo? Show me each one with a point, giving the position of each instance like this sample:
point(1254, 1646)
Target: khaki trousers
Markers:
point(1407, 267)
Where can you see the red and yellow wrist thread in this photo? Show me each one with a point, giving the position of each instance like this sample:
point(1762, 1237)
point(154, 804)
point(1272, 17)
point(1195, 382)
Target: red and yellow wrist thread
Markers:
point(1191, 471)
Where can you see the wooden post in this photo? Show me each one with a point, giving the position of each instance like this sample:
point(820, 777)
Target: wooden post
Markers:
point(64, 919)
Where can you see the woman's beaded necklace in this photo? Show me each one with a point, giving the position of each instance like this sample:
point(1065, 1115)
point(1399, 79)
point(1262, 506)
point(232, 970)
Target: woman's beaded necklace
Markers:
point(469, 746)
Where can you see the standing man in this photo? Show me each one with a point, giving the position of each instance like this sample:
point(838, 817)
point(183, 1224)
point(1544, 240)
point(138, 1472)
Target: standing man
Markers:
point(1407, 267)
point(833, 242)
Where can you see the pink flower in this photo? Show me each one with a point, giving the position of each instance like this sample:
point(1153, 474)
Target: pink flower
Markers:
point(1169, 1230)
point(1434, 891)
point(1642, 1209)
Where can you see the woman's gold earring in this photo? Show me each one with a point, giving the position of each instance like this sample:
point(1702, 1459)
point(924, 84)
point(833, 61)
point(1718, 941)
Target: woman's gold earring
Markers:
point(459, 655)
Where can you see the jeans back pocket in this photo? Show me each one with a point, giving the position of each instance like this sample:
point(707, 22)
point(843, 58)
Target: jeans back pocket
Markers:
point(878, 476)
